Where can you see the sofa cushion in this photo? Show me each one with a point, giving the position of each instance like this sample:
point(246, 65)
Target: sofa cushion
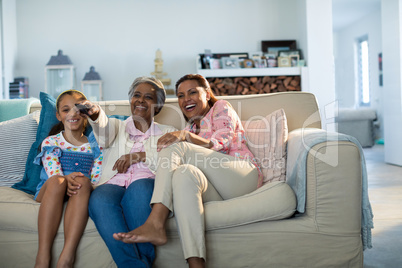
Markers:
point(273, 201)
point(22, 212)
point(266, 139)
point(17, 136)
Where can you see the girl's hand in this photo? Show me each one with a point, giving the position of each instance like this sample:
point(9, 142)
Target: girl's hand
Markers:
point(172, 137)
point(72, 185)
point(125, 161)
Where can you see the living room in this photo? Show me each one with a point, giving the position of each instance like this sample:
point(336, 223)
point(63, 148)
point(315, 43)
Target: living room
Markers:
point(84, 30)
point(120, 39)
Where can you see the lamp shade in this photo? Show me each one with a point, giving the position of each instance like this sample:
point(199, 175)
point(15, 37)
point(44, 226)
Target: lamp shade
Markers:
point(92, 75)
point(60, 59)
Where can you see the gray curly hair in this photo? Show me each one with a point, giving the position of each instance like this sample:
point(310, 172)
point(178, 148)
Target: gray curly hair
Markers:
point(156, 84)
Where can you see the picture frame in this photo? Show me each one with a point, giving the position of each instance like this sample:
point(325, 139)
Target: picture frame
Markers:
point(260, 63)
point(248, 63)
point(270, 55)
point(301, 63)
point(230, 62)
point(284, 62)
point(205, 58)
point(272, 46)
point(290, 52)
point(294, 60)
point(215, 64)
point(272, 62)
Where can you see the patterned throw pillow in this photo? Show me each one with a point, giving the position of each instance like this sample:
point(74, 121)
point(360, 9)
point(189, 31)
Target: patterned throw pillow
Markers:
point(266, 139)
point(17, 136)
point(47, 121)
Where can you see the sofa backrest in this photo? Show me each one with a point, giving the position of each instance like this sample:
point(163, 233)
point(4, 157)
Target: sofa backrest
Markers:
point(300, 108)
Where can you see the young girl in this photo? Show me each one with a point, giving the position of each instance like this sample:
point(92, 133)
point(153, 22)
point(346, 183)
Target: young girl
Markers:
point(72, 163)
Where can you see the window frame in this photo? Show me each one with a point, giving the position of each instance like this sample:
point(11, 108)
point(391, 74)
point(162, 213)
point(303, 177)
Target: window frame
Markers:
point(363, 72)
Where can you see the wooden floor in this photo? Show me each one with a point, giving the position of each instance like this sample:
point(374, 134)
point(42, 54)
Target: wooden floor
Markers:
point(385, 194)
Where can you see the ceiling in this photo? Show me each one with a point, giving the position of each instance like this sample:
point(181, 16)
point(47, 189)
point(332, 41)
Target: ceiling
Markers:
point(346, 12)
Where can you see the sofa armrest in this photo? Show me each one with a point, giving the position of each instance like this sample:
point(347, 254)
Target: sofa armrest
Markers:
point(14, 108)
point(333, 180)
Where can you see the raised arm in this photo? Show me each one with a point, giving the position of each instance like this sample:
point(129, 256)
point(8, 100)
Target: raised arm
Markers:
point(105, 129)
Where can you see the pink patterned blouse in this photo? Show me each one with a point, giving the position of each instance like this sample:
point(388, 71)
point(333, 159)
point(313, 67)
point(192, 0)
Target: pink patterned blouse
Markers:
point(222, 126)
point(139, 170)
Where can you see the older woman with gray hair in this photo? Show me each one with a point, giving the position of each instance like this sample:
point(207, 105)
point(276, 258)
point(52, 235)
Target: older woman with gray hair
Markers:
point(122, 201)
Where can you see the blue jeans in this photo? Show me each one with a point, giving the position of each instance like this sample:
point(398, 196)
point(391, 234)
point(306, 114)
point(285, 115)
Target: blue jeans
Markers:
point(115, 209)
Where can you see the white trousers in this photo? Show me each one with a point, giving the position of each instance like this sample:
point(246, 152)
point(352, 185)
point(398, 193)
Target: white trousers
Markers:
point(189, 175)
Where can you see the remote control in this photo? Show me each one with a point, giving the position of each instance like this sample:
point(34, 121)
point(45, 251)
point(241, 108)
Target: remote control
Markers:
point(83, 109)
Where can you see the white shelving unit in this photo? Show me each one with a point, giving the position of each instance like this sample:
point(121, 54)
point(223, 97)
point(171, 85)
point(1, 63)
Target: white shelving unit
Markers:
point(277, 71)
point(250, 72)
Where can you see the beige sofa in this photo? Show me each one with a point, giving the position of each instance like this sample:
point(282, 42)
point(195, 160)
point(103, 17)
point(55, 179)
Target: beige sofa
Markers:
point(328, 234)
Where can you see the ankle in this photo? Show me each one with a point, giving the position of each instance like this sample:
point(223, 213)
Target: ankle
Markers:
point(42, 260)
point(158, 216)
point(65, 261)
point(42, 264)
point(195, 262)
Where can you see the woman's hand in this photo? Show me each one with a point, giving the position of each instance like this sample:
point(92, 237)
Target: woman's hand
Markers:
point(125, 161)
point(171, 137)
point(72, 185)
point(182, 135)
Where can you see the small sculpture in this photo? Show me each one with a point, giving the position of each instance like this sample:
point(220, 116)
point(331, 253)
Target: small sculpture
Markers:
point(158, 73)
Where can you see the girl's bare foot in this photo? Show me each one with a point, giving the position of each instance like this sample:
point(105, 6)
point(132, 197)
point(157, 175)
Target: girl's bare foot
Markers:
point(147, 232)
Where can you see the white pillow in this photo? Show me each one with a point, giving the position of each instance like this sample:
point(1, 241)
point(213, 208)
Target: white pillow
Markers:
point(266, 139)
point(16, 138)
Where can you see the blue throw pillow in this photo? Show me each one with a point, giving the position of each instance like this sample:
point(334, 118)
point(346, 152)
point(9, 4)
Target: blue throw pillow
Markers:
point(120, 117)
point(47, 121)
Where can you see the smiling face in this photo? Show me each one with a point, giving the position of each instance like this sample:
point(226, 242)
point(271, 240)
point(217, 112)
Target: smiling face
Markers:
point(143, 103)
point(68, 114)
point(193, 99)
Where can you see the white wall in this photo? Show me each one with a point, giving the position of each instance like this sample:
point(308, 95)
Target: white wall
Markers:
point(120, 37)
point(9, 43)
point(345, 63)
point(302, 28)
point(321, 74)
point(392, 67)
point(2, 90)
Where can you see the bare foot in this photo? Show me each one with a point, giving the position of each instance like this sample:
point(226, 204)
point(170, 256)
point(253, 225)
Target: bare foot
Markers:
point(147, 232)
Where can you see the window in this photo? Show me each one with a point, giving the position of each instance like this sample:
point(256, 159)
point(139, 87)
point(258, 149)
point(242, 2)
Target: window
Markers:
point(363, 72)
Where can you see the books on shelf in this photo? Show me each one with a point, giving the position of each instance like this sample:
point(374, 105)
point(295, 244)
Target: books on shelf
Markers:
point(19, 89)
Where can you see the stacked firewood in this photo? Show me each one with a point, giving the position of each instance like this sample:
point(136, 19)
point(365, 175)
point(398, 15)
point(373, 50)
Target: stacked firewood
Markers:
point(253, 85)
